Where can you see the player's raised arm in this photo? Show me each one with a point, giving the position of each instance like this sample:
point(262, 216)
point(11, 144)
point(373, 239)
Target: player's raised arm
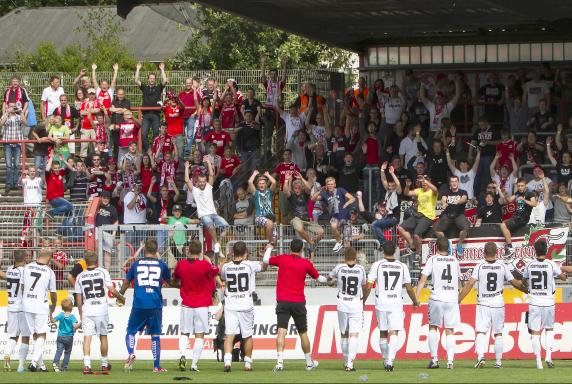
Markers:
point(411, 293)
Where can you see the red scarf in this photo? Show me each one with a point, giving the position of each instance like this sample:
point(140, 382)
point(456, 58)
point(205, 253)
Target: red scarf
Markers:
point(17, 99)
point(167, 169)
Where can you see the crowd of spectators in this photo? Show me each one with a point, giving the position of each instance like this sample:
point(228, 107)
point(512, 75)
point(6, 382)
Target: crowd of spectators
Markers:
point(346, 158)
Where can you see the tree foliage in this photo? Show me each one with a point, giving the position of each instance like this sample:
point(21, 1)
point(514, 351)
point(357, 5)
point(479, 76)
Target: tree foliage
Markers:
point(224, 41)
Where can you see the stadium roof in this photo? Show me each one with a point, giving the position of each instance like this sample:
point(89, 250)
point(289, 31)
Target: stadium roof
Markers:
point(357, 24)
point(153, 32)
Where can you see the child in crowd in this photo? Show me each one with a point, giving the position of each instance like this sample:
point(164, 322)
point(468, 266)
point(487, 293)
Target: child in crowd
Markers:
point(67, 326)
point(57, 132)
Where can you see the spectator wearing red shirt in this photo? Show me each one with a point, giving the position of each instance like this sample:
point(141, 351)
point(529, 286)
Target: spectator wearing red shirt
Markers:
point(228, 112)
point(371, 148)
point(290, 298)
point(281, 171)
point(128, 132)
point(505, 148)
point(229, 163)
point(162, 143)
point(92, 105)
point(173, 110)
point(195, 277)
point(191, 98)
point(59, 261)
point(55, 188)
point(167, 169)
point(218, 137)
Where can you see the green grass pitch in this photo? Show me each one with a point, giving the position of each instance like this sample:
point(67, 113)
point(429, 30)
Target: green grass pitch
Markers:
point(329, 371)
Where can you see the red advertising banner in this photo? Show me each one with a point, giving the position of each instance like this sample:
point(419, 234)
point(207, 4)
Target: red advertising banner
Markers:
point(413, 340)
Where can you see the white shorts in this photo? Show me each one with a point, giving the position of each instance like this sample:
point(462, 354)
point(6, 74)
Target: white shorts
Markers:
point(488, 317)
point(239, 322)
point(37, 322)
point(350, 322)
point(540, 317)
point(94, 325)
point(108, 240)
point(194, 320)
point(442, 314)
point(17, 325)
point(390, 320)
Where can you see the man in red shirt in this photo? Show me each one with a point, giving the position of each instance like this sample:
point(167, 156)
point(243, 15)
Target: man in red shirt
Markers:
point(92, 105)
point(229, 162)
point(55, 188)
point(173, 110)
point(228, 112)
point(283, 169)
point(195, 278)
point(218, 137)
point(162, 143)
point(505, 148)
point(128, 132)
point(191, 98)
point(290, 299)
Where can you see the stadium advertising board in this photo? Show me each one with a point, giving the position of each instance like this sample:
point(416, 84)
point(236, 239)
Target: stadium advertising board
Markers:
point(324, 334)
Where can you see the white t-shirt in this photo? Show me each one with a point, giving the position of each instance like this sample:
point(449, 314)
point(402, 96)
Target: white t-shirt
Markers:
point(204, 200)
point(538, 213)
point(444, 272)
point(389, 277)
point(435, 116)
point(93, 285)
point(350, 281)
point(466, 181)
point(541, 284)
point(490, 279)
point(37, 280)
point(138, 214)
point(52, 98)
point(293, 124)
point(536, 90)
point(240, 283)
point(393, 107)
point(14, 288)
point(408, 148)
point(508, 184)
point(32, 191)
point(538, 187)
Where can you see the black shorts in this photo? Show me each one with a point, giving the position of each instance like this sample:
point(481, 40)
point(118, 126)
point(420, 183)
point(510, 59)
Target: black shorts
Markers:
point(446, 222)
point(516, 222)
point(297, 311)
point(417, 225)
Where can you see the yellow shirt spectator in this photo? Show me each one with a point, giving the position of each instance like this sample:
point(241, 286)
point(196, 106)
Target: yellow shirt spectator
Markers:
point(427, 202)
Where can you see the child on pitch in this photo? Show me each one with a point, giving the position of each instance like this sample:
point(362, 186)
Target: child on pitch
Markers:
point(67, 326)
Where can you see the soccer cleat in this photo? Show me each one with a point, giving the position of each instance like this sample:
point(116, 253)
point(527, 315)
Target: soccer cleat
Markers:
point(7, 367)
point(313, 366)
point(248, 368)
point(480, 363)
point(549, 364)
point(498, 365)
point(43, 369)
point(227, 368)
point(388, 368)
point(182, 364)
point(539, 364)
point(279, 367)
point(56, 368)
point(194, 368)
point(338, 246)
point(349, 369)
point(129, 362)
point(87, 371)
point(159, 370)
point(449, 365)
point(32, 367)
point(21, 370)
point(433, 364)
point(105, 369)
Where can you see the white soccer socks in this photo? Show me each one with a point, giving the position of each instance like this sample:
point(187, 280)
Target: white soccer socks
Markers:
point(451, 341)
point(499, 349)
point(392, 348)
point(22, 354)
point(183, 344)
point(383, 348)
point(480, 345)
point(549, 339)
point(38, 351)
point(197, 350)
point(352, 351)
point(433, 340)
point(344, 344)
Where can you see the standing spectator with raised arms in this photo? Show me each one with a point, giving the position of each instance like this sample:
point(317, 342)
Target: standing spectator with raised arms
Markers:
point(263, 196)
point(190, 96)
point(105, 90)
point(525, 201)
point(51, 97)
point(453, 203)
point(151, 97)
point(466, 174)
point(439, 108)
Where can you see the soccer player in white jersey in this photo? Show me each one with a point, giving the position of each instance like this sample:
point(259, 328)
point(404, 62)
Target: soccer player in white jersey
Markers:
point(350, 279)
point(17, 325)
point(443, 309)
point(540, 275)
point(491, 275)
point(37, 281)
point(32, 187)
point(91, 291)
point(240, 277)
point(390, 276)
